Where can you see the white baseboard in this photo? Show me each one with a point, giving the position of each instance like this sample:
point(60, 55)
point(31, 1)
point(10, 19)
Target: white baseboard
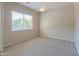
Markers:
point(13, 42)
point(58, 38)
point(17, 41)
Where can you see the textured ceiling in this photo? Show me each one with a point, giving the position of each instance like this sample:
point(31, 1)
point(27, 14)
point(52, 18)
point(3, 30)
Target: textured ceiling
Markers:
point(48, 5)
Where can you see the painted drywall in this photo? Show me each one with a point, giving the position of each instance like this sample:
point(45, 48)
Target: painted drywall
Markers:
point(58, 23)
point(0, 29)
point(77, 26)
point(14, 37)
point(1, 26)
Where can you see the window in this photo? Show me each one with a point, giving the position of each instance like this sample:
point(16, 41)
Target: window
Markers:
point(21, 21)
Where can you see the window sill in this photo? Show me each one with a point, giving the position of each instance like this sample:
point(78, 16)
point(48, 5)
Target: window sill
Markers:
point(26, 29)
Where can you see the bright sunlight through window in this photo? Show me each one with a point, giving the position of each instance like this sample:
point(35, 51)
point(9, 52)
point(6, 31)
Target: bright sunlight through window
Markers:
point(21, 21)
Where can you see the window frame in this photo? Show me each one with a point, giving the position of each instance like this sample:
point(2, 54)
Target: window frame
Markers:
point(21, 29)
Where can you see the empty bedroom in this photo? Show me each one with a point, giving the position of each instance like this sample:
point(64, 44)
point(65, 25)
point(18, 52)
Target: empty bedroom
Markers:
point(39, 29)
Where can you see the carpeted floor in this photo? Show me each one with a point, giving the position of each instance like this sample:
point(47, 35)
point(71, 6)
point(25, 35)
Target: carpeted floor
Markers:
point(41, 47)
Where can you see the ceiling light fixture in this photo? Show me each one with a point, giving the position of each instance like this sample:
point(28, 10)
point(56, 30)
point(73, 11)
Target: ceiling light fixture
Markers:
point(42, 9)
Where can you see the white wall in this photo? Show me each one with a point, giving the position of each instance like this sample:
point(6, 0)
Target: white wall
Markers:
point(58, 23)
point(1, 26)
point(14, 37)
point(77, 26)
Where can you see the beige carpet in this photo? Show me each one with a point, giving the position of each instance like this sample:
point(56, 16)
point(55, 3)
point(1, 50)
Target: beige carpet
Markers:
point(42, 47)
